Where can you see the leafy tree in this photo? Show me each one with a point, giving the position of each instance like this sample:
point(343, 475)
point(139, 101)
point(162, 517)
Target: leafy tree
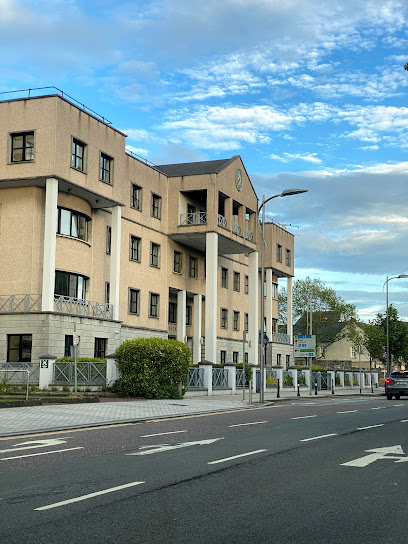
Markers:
point(406, 66)
point(370, 337)
point(397, 332)
point(312, 299)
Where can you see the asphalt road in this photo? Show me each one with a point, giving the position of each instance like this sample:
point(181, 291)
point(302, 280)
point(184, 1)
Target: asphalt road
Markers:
point(302, 471)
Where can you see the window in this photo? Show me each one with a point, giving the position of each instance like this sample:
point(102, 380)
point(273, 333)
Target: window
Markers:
point(108, 240)
point(177, 262)
point(69, 345)
point(287, 360)
point(278, 359)
point(71, 285)
point(19, 348)
point(246, 288)
point(134, 301)
point(136, 197)
point(135, 248)
point(353, 351)
point(154, 305)
point(189, 315)
point(279, 253)
point(100, 348)
point(107, 292)
point(22, 146)
point(74, 224)
point(224, 318)
point(274, 290)
point(246, 358)
point(106, 168)
point(237, 281)
point(223, 357)
point(235, 357)
point(246, 322)
point(172, 312)
point(154, 255)
point(78, 155)
point(193, 267)
point(288, 259)
point(224, 277)
point(156, 206)
point(274, 324)
point(236, 321)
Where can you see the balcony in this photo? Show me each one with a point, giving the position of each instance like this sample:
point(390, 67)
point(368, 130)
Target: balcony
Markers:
point(236, 229)
point(249, 235)
point(20, 303)
point(222, 222)
point(87, 308)
point(197, 218)
point(280, 338)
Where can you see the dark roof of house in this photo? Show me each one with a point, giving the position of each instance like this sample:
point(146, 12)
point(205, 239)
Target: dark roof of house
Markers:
point(195, 168)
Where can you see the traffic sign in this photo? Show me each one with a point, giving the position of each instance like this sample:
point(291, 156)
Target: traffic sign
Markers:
point(44, 363)
point(266, 340)
point(304, 345)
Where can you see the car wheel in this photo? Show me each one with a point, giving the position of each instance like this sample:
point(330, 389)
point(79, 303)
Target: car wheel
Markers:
point(397, 397)
point(389, 397)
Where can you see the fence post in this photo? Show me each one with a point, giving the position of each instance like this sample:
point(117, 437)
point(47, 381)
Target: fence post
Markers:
point(207, 367)
point(231, 380)
point(46, 370)
point(112, 371)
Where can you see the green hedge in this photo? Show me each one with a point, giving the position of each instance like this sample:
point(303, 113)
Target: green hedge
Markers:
point(151, 368)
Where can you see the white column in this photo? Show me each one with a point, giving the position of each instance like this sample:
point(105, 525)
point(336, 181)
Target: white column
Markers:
point(50, 229)
point(112, 371)
point(268, 312)
point(181, 315)
point(253, 298)
point(197, 329)
point(115, 260)
point(211, 304)
point(289, 310)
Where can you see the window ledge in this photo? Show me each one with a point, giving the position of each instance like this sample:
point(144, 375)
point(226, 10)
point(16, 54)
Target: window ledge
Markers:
point(74, 238)
point(79, 170)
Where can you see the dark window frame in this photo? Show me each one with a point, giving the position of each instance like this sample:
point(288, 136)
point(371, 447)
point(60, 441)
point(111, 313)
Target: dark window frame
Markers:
point(178, 263)
point(20, 348)
point(135, 248)
point(134, 301)
point(192, 267)
point(246, 285)
point(78, 162)
point(156, 206)
point(223, 356)
point(100, 346)
point(106, 168)
point(237, 281)
point(172, 312)
point(236, 317)
point(82, 223)
point(154, 255)
point(278, 253)
point(69, 284)
point(25, 147)
point(224, 277)
point(108, 240)
point(154, 305)
point(224, 318)
point(136, 197)
point(189, 315)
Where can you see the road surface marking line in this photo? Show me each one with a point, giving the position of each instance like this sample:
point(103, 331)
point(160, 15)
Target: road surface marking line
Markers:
point(317, 437)
point(398, 405)
point(303, 417)
point(160, 434)
point(370, 427)
point(89, 496)
point(235, 457)
point(222, 412)
point(40, 453)
point(243, 424)
point(404, 420)
point(347, 412)
point(69, 431)
point(379, 408)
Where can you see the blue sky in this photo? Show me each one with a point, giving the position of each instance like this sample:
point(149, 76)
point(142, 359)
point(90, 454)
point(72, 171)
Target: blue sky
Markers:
point(311, 93)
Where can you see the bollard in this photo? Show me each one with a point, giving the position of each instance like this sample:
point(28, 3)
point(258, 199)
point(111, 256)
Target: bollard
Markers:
point(278, 390)
point(250, 392)
point(298, 393)
point(315, 388)
point(332, 388)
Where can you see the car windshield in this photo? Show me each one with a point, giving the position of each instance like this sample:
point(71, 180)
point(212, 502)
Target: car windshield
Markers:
point(399, 374)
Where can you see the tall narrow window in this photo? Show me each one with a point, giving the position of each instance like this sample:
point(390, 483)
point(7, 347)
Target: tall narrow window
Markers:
point(154, 255)
point(193, 267)
point(134, 301)
point(154, 305)
point(177, 262)
point(135, 248)
point(279, 253)
point(172, 312)
point(78, 155)
point(224, 318)
point(22, 146)
point(288, 259)
point(237, 281)
point(69, 345)
point(246, 322)
point(136, 197)
point(246, 288)
point(107, 292)
point(189, 315)
point(223, 357)
point(106, 168)
point(108, 240)
point(156, 206)
point(100, 348)
point(236, 321)
point(19, 348)
point(224, 277)
point(235, 356)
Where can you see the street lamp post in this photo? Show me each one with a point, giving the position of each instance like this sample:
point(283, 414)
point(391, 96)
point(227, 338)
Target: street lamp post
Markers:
point(286, 192)
point(388, 333)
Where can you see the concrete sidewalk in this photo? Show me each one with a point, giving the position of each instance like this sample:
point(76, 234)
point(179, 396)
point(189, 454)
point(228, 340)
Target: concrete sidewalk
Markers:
point(55, 417)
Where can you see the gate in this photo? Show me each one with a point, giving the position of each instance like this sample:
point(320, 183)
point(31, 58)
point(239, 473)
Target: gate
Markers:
point(323, 380)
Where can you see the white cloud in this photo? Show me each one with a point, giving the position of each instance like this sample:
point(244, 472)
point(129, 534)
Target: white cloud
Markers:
point(307, 157)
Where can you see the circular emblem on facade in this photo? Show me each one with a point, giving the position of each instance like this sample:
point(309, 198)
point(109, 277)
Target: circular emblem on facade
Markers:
point(238, 179)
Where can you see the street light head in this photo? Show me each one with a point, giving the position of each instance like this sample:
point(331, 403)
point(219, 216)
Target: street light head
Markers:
point(288, 192)
point(403, 276)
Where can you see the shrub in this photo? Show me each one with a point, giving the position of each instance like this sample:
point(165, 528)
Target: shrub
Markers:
point(151, 368)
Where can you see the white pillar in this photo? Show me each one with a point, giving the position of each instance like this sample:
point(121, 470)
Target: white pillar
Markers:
point(50, 229)
point(268, 312)
point(253, 298)
point(112, 371)
point(47, 363)
point(211, 303)
point(115, 260)
point(181, 315)
point(197, 329)
point(289, 310)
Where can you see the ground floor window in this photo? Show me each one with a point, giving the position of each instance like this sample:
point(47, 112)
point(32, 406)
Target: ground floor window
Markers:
point(19, 348)
point(223, 357)
point(100, 348)
point(69, 345)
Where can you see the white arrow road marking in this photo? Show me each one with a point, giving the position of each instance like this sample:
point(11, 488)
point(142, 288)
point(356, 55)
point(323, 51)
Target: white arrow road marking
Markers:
point(378, 453)
point(89, 496)
point(36, 444)
point(159, 449)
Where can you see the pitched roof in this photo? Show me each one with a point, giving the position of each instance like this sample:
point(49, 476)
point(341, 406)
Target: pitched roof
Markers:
point(195, 168)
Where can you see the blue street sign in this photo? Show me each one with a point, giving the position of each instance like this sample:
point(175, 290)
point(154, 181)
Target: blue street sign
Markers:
point(266, 340)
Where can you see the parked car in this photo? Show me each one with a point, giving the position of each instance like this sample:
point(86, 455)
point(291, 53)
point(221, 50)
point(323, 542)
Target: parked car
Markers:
point(396, 384)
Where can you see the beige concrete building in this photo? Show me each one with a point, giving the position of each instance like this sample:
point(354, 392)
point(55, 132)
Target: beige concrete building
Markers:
point(92, 237)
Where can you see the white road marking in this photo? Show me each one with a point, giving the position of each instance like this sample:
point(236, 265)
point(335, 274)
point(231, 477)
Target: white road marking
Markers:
point(235, 457)
point(40, 453)
point(379, 408)
point(404, 420)
point(317, 437)
point(303, 417)
point(347, 412)
point(369, 427)
point(155, 449)
point(36, 444)
point(243, 424)
point(161, 434)
point(398, 405)
point(89, 496)
point(378, 453)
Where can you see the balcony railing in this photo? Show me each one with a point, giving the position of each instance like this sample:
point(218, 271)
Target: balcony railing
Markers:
point(236, 229)
point(249, 235)
point(70, 305)
point(20, 303)
point(197, 218)
point(222, 221)
point(280, 338)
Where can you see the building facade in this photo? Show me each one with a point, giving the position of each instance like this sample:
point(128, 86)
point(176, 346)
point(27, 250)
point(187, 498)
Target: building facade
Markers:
point(95, 241)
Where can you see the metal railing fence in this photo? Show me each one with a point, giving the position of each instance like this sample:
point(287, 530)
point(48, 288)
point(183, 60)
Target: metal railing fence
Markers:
point(195, 378)
point(219, 377)
point(88, 373)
